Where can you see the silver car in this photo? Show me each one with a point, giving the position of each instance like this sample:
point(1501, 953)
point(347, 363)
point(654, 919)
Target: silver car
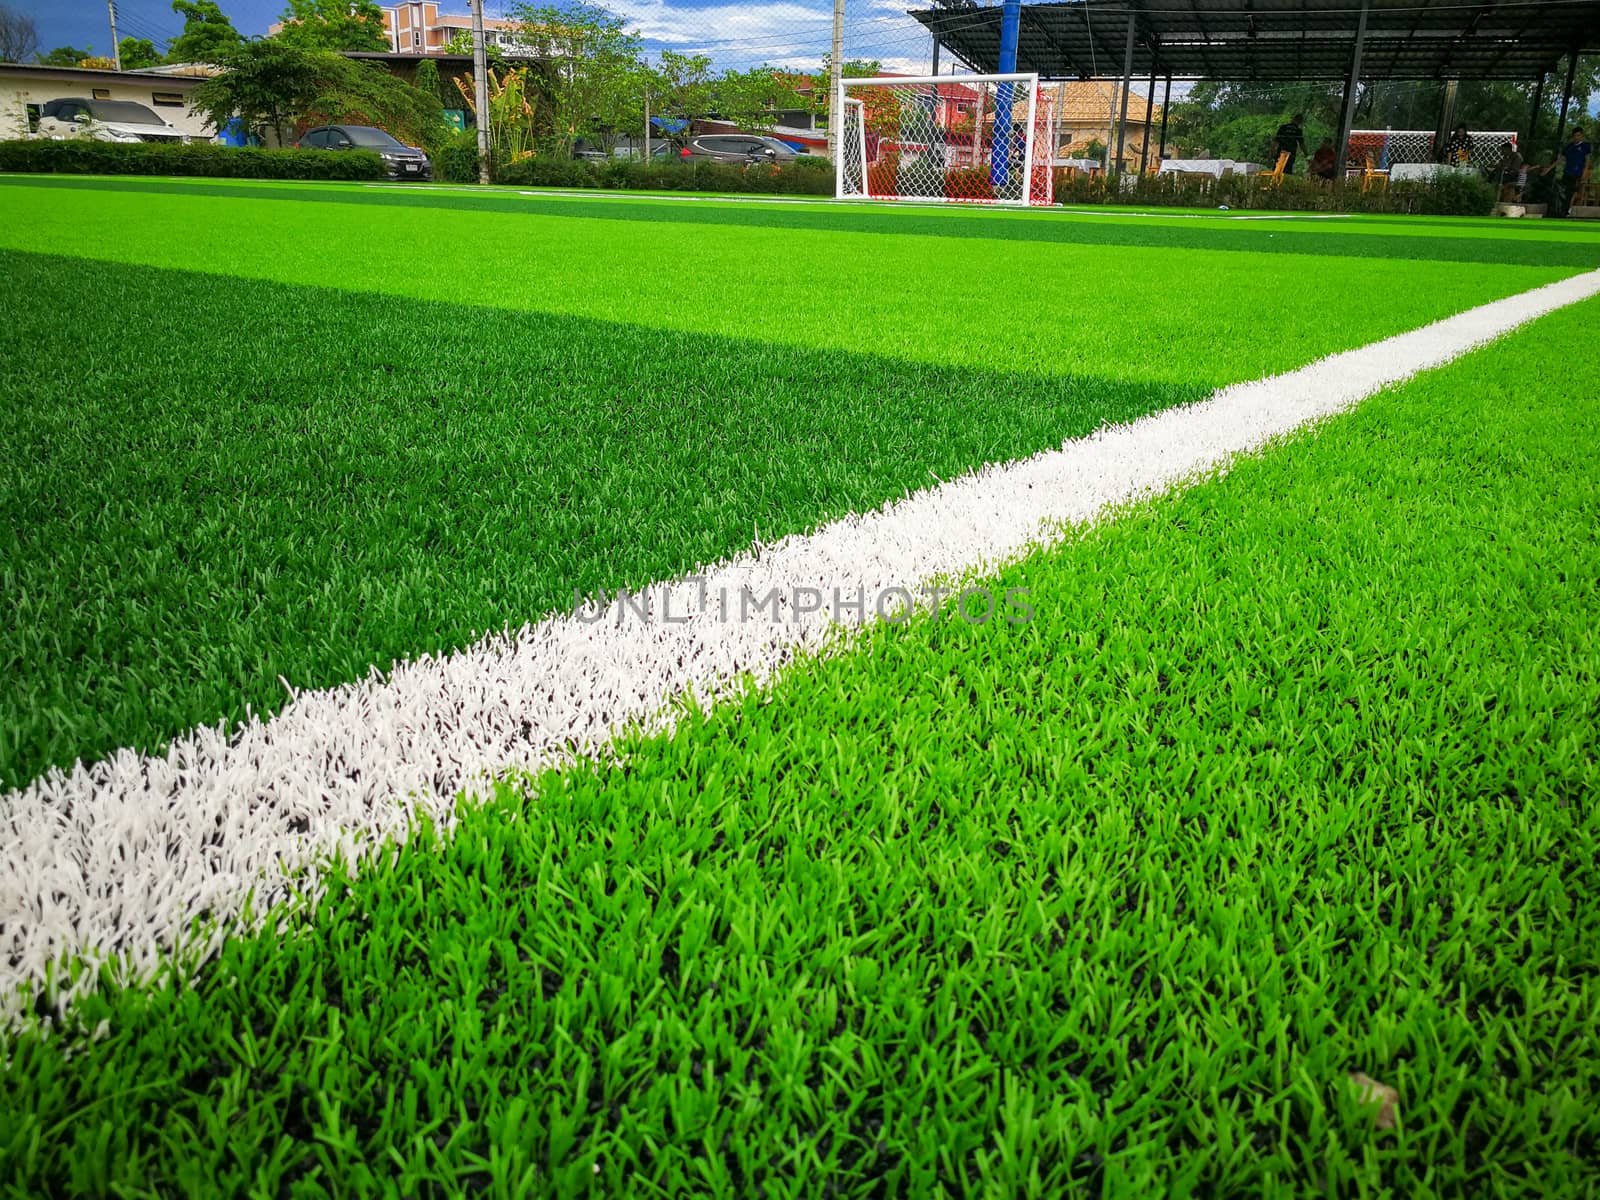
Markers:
point(741, 148)
point(105, 121)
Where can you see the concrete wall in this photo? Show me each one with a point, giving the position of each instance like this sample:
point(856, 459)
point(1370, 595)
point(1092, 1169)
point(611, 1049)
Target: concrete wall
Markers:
point(21, 86)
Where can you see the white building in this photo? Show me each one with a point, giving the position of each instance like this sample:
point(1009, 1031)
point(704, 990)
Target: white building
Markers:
point(25, 88)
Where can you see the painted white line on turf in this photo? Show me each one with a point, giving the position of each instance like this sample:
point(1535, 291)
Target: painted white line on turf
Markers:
point(112, 862)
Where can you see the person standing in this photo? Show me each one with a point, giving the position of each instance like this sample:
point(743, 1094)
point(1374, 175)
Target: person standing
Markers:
point(1458, 148)
point(1291, 140)
point(1325, 162)
point(1507, 173)
point(1574, 159)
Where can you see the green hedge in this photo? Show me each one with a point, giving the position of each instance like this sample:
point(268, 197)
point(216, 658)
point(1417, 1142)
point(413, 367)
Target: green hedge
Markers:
point(803, 177)
point(1447, 195)
point(84, 156)
point(456, 161)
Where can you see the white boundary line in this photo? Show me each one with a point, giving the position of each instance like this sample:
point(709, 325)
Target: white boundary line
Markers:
point(113, 862)
point(582, 194)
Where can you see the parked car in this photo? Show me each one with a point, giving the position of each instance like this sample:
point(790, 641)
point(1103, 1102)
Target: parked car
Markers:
point(743, 148)
point(105, 121)
point(403, 161)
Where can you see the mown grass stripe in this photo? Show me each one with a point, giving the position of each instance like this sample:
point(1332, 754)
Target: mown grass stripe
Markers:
point(117, 860)
point(1052, 228)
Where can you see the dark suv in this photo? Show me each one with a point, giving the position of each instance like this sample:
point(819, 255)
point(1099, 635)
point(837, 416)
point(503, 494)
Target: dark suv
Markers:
point(404, 162)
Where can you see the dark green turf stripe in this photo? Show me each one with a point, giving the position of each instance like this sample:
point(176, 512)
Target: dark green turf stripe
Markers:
point(1279, 239)
point(217, 482)
point(1291, 776)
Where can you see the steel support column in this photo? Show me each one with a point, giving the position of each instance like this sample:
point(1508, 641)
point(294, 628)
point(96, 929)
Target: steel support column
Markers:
point(1127, 82)
point(1566, 97)
point(1166, 104)
point(1149, 113)
point(1347, 117)
point(1533, 113)
point(1447, 117)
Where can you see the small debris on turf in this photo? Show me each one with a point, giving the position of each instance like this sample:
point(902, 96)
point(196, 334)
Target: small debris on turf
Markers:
point(1370, 1091)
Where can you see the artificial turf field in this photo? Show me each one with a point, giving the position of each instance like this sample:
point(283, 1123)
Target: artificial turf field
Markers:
point(1292, 774)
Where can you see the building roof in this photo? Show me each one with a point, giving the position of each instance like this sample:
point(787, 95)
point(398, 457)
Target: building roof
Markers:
point(1243, 40)
point(1089, 100)
point(105, 74)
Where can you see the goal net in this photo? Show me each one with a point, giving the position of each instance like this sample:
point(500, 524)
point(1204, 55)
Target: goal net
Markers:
point(978, 139)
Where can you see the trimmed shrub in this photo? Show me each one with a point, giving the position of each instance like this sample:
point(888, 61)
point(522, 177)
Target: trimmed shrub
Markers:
point(1447, 195)
point(457, 159)
point(883, 176)
point(84, 156)
point(810, 177)
point(969, 183)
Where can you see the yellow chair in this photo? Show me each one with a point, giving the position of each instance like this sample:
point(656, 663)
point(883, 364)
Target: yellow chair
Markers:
point(1274, 177)
point(1371, 174)
point(1586, 192)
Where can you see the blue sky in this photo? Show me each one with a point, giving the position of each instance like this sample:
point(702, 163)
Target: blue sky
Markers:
point(790, 32)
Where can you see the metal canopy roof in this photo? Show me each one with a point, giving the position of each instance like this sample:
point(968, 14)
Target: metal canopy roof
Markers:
point(1243, 40)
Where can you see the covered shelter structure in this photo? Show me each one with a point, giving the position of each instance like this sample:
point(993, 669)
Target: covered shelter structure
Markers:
point(1241, 41)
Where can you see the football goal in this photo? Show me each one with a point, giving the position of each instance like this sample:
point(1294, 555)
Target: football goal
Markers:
point(976, 139)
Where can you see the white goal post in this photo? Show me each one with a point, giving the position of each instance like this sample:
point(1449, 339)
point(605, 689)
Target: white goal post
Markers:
point(957, 139)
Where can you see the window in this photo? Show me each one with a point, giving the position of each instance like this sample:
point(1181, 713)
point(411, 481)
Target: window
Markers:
point(317, 138)
point(167, 99)
point(124, 110)
point(416, 39)
point(102, 93)
point(33, 117)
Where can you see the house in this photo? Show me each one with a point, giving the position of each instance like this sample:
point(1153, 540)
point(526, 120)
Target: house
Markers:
point(1088, 111)
point(26, 87)
point(418, 27)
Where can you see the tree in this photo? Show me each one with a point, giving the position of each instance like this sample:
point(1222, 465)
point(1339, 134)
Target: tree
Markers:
point(1480, 105)
point(137, 53)
point(266, 84)
point(754, 98)
point(818, 89)
point(333, 25)
point(275, 85)
point(207, 34)
point(65, 56)
point(19, 36)
point(1238, 120)
point(429, 83)
point(594, 78)
point(1230, 120)
point(364, 93)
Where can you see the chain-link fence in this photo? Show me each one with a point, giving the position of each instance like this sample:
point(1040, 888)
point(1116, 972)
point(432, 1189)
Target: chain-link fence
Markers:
point(1387, 148)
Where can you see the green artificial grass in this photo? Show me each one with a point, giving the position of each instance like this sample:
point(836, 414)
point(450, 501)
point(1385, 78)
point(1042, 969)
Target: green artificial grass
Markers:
point(1292, 775)
point(713, 221)
point(233, 484)
point(987, 302)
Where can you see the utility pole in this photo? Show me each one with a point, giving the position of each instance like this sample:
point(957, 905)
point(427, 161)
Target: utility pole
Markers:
point(645, 157)
point(480, 80)
point(116, 44)
point(836, 83)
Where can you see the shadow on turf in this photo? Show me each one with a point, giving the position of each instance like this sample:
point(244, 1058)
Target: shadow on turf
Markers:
point(187, 523)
